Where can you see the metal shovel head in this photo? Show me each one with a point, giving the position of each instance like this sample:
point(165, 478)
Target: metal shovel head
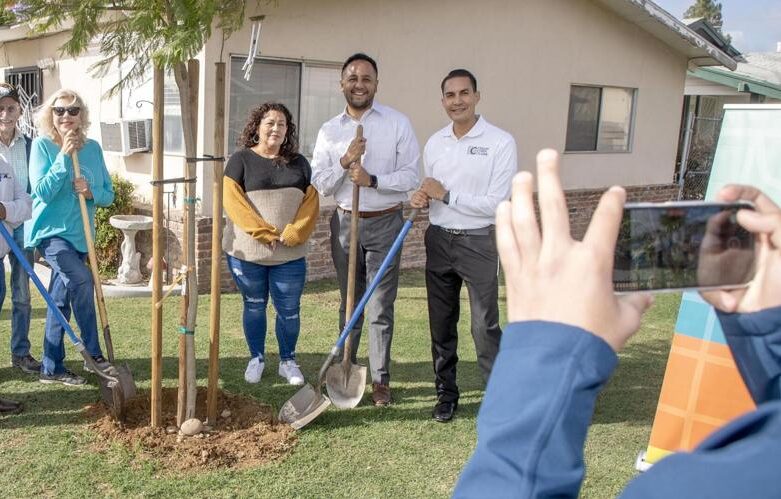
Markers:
point(345, 386)
point(125, 377)
point(303, 407)
point(112, 394)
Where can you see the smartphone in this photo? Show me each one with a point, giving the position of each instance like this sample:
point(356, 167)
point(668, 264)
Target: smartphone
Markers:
point(682, 245)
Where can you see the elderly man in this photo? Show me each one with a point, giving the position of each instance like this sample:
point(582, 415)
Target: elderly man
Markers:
point(384, 162)
point(469, 166)
point(15, 150)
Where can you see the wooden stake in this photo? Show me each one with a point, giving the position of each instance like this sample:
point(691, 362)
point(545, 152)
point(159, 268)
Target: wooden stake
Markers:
point(157, 250)
point(214, 311)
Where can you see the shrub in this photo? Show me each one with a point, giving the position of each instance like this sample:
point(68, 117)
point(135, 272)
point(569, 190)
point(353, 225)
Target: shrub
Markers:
point(107, 238)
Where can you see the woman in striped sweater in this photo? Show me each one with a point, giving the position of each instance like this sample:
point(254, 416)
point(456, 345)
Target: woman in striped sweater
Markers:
point(272, 209)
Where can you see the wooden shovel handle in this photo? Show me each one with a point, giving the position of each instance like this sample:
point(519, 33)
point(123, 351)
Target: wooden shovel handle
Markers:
point(352, 262)
point(93, 263)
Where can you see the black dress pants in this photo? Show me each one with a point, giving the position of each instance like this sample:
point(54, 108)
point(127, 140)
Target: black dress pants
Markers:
point(453, 259)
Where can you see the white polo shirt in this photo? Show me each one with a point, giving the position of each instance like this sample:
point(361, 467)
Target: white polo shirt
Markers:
point(477, 169)
point(392, 154)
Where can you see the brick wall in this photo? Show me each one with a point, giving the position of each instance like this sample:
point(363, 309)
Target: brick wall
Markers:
point(581, 206)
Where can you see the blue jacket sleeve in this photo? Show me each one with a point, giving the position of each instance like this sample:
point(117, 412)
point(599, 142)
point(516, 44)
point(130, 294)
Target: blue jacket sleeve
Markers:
point(755, 342)
point(741, 459)
point(535, 415)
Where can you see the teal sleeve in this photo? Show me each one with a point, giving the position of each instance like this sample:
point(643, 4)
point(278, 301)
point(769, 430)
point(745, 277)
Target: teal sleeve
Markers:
point(47, 175)
point(102, 192)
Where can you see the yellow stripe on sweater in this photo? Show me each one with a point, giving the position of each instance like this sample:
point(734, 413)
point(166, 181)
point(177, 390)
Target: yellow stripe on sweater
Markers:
point(298, 231)
point(243, 214)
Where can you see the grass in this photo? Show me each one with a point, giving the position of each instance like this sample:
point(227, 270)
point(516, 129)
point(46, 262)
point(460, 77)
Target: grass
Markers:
point(365, 452)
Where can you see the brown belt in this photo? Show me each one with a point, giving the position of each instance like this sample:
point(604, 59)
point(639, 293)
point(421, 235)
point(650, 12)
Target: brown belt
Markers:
point(372, 214)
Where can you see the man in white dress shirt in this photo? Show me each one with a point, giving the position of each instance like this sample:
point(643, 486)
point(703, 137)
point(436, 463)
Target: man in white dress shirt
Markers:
point(469, 166)
point(385, 164)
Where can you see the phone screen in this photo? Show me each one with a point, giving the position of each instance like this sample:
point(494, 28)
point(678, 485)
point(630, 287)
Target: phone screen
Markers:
point(682, 245)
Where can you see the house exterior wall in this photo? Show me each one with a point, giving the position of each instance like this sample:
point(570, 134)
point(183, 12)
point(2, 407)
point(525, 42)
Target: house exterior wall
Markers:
point(525, 54)
point(74, 73)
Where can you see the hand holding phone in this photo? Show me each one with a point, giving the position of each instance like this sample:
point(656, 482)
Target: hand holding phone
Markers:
point(683, 245)
point(764, 223)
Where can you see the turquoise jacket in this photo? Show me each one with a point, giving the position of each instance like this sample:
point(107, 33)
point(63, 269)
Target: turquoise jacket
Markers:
point(56, 209)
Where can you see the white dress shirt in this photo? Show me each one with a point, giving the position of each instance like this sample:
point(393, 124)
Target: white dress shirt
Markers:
point(392, 154)
point(477, 169)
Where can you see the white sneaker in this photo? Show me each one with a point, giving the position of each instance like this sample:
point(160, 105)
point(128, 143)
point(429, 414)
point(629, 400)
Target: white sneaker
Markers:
point(254, 370)
point(289, 370)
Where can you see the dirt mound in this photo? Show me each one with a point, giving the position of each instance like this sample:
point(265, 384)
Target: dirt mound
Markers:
point(246, 433)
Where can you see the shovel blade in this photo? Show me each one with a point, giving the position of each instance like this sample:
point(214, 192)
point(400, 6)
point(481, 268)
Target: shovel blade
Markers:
point(303, 407)
point(113, 396)
point(345, 386)
point(125, 377)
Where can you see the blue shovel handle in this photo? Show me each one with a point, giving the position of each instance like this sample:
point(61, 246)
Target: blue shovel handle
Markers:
point(366, 295)
point(377, 278)
point(38, 284)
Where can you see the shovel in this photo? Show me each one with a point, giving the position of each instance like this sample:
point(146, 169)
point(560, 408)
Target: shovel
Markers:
point(122, 371)
point(309, 402)
point(111, 389)
point(346, 381)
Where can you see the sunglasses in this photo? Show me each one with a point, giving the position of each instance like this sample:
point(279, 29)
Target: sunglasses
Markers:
point(72, 110)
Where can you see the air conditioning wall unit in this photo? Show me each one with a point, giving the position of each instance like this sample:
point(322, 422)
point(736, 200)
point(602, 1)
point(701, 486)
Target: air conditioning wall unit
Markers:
point(126, 137)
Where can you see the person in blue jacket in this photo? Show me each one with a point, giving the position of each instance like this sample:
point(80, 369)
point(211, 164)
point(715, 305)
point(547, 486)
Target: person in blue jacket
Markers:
point(554, 360)
point(56, 228)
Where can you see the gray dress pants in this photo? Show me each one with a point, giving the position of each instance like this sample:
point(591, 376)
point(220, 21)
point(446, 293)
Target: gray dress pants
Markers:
point(375, 238)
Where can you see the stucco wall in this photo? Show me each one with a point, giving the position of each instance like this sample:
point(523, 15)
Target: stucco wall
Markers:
point(525, 53)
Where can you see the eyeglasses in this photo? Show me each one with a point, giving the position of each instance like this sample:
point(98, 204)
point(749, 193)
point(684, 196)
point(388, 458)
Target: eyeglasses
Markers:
point(10, 109)
point(72, 110)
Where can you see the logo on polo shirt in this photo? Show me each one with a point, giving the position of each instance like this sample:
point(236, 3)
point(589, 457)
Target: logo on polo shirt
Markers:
point(477, 151)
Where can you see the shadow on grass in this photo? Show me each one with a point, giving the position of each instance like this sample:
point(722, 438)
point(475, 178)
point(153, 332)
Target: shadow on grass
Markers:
point(632, 393)
point(35, 313)
point(412, 389)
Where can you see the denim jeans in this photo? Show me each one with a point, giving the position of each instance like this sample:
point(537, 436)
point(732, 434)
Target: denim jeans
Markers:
point(285, 282)
point(70, 287)
point(20, 298)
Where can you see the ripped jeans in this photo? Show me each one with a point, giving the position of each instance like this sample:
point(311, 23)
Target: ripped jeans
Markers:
point(285, 283)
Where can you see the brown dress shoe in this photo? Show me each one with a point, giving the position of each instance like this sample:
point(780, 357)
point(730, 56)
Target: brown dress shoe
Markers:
point(381, 394)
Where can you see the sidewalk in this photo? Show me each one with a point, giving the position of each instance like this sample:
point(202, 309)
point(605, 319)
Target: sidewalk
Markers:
point(109, 290)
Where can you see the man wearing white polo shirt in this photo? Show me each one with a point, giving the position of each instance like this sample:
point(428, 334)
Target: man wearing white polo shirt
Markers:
point(469, 166)
point(384, 163)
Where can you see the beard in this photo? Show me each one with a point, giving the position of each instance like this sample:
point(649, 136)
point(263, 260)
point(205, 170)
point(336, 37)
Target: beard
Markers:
point(359, 102)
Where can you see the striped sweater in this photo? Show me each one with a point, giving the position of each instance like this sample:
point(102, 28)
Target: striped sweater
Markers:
point(266, 201)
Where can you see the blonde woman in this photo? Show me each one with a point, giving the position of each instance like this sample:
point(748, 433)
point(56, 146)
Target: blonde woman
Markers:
point(56, 226)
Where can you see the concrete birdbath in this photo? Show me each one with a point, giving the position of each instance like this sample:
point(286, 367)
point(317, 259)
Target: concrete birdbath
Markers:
point(129, 272)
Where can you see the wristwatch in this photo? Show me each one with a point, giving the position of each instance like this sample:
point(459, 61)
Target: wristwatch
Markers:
point(446, 197)
point(373, 181)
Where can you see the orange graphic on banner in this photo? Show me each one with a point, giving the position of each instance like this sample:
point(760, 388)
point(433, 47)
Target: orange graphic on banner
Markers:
point(702, 390)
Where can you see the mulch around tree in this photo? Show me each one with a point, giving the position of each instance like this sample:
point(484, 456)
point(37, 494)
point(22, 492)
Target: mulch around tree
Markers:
point(246, 434)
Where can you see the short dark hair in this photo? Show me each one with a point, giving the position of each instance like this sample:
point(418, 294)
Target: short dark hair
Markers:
point(360, 56)
point(457, 73)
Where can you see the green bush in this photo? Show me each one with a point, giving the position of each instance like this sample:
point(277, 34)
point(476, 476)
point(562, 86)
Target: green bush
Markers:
point(107, 238)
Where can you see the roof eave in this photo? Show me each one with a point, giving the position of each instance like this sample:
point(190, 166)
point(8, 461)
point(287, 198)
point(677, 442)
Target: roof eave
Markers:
point(674, 33)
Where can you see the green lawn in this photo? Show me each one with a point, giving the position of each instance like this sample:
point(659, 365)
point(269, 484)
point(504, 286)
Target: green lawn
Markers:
point(366, 452)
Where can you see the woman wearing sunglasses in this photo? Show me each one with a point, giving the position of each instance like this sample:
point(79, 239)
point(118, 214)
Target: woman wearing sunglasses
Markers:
point(56, 227)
